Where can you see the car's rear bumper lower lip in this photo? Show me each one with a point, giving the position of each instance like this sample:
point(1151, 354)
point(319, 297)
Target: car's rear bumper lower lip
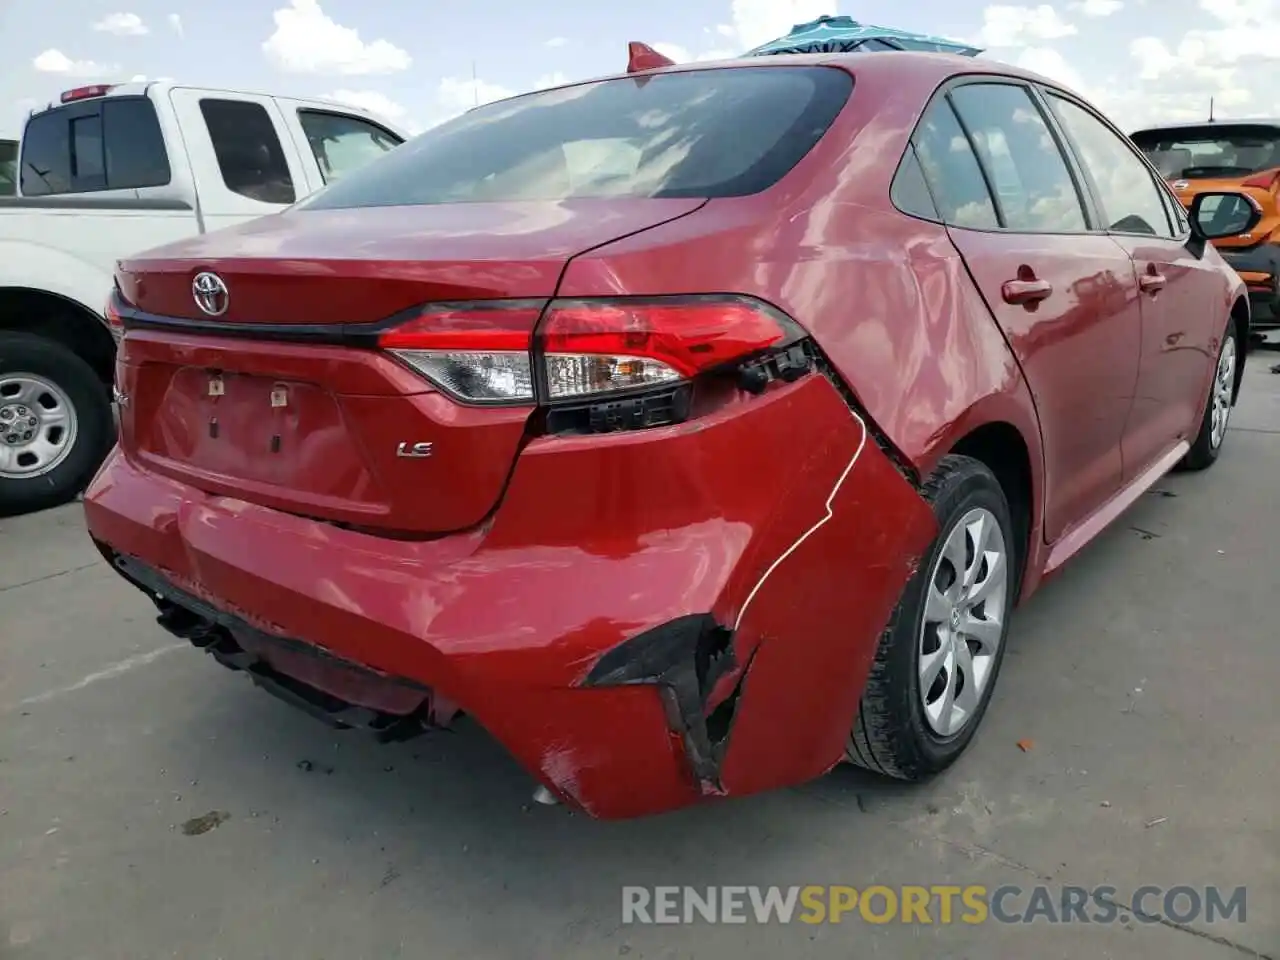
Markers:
point(541, 640)
point(1259, 267)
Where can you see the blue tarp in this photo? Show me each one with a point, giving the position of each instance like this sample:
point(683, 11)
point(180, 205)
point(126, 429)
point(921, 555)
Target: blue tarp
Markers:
point(844, 35)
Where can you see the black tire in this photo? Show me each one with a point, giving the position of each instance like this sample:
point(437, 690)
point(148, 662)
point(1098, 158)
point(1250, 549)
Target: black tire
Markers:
point(87, 395)
point(1204, 452)
point(891, 735)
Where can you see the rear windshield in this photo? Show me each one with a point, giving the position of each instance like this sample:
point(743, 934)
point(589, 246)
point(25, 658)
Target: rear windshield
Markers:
point(704, 133)
point(8, 168)
point(1219, 150)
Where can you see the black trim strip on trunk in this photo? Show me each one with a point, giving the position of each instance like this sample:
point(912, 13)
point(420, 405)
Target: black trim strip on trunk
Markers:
point(361, 334)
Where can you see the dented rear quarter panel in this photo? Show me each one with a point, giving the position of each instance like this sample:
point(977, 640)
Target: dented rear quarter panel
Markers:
point(887, 297)
point(891, 304)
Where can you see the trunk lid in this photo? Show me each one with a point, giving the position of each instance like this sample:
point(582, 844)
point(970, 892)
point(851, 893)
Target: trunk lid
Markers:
point(272, 402)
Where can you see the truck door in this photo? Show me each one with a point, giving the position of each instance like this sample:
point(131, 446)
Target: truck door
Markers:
point(241, 155)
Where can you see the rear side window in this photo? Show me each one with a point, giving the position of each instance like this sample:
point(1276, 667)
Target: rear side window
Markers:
point(342, 143)
point(110, 144)
point(250, 158)
point(1035, 190)
point(702, 133)
point(910, 192)
point(952, 170)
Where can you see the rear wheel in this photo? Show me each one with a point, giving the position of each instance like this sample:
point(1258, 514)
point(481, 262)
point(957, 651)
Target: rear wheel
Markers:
point(938, 660)
point(55, 423)
point(1217, 412)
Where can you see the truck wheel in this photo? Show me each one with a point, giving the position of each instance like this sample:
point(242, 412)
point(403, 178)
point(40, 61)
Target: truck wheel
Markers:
point(55, 423)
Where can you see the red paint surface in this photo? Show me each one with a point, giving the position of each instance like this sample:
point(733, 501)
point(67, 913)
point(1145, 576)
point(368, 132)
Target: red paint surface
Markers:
point(520, 559)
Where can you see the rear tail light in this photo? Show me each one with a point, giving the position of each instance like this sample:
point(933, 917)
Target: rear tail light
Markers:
point(621, 359)
point(479, 353)
point(114, 322)
point(1263, 181)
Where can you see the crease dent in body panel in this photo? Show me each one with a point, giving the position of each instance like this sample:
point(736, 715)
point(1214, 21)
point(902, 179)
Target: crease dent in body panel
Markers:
point(689, 657)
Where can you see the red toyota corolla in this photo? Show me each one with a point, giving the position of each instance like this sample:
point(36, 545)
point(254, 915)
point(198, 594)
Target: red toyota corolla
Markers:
point(691, 430)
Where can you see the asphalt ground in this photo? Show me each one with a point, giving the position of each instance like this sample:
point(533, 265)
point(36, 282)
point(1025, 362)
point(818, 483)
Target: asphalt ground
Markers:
point(153, 804)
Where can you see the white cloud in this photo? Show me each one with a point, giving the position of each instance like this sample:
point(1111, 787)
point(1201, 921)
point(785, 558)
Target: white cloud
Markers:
point(556, 79)
point(1098, 8)
point(673, 52)
point(456, 95)
point(1012, 26)
point(755, 22)
point(1052, 65)
point(557, 41)
point(1154, 58)
point(122, 25)
point(379, 104)
point(55, 61)
point(306, 40)
point(175, 23)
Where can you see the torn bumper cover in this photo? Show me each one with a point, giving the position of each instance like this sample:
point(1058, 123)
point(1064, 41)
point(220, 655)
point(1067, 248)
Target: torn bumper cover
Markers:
point(705, 631)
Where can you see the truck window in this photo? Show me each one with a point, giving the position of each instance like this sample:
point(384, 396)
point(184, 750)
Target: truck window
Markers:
point(136, 155)
point(250, 157)
point(342, 143)
point(8, 168)
point(46, 155)
point(107, 144)
point(87, 159)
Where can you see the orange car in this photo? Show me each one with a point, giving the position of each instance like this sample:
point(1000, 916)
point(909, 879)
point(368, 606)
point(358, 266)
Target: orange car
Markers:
point(1239, 156)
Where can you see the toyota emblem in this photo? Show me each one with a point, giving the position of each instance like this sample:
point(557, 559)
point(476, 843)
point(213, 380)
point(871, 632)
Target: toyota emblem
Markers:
point(210, 294)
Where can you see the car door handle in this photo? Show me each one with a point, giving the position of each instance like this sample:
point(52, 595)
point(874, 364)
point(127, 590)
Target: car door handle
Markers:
point(1151, 282)
point(1026, 292)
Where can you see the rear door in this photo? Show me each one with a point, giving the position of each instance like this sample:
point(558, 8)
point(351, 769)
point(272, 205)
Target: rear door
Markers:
point(1063, 293)
point(241, 155)
point(1180, 319)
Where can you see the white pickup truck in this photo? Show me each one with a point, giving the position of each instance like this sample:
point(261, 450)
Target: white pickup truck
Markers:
point(109, 171)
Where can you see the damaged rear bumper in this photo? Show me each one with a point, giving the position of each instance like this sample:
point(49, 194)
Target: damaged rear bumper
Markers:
point(705, 628)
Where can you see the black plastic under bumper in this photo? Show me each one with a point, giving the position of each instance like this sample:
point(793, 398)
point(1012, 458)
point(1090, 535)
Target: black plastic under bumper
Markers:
point(239, 646)
point(1265, 296)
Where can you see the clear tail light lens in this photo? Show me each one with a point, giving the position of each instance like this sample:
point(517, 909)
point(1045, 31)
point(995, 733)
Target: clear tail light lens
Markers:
point(579, 350)
point(478, 353)
point(475, 376)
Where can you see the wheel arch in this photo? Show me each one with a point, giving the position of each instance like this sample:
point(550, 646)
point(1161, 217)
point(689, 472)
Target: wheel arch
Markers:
point(63, 320)
point(1240, 322)
point(1002, 449)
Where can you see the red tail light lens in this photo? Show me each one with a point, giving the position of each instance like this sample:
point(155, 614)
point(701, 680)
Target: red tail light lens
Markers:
point(583, 349)
point(114, 322)
point(479, 353)
point(601, 346)
point(1263, 181)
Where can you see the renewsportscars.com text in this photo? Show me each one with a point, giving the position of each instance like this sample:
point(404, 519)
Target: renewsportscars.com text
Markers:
point(936, 904)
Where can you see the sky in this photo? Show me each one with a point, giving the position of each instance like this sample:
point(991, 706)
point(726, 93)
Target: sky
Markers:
point(417, 64)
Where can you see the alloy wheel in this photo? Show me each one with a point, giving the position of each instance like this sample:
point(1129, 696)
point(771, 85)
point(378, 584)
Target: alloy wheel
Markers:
point(963, 622)
point(1220, 397)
